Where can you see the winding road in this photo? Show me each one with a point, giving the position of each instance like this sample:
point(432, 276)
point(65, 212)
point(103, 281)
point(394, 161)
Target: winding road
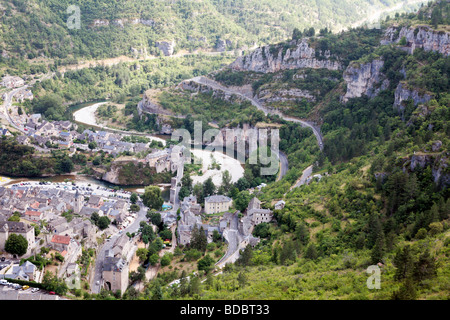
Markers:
point(217, 86)
point(283, 158)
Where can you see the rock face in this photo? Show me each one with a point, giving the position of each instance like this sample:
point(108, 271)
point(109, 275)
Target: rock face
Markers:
point(403, 93)
point(275, 58)
point(439, 164)
point(100, 23)
point(167, 47)
point(122, 22)
point(195, 87)
point(420, 37)
point(223, 45)
point(134, 172)
point(282, 95)
point(146, 105)
point(365, 79)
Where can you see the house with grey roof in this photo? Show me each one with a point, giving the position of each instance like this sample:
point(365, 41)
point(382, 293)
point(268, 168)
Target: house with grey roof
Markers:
point(115, 273)
point(217, 203)
point(26, 271)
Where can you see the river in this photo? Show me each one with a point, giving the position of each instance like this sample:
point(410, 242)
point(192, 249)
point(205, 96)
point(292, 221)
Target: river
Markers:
point(80, 180)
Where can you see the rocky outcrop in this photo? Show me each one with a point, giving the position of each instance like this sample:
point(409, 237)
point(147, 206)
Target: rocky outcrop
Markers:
point(167, 47)
point(130, 173)
point(193, 86)
point(122, 22)
point(297, 55)
point(419, 37)
point(223, 45)
point(403, 93)
point(147, 105)
point(364, 79)
point(283, 95)
point(100, 23)
point(439, 163)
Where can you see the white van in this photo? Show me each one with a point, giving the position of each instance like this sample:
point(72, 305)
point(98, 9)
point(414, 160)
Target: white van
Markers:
point(3, 281)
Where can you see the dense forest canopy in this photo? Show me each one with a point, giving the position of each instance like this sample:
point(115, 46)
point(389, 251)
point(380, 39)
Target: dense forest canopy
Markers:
point(37, 30)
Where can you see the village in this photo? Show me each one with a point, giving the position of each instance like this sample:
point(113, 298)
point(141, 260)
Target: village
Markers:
point(56, 218)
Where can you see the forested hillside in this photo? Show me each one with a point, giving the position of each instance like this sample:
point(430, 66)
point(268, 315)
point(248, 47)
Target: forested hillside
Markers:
point(383, 194)
point(34, 33)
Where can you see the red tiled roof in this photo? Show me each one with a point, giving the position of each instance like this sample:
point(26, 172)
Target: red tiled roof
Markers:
point(61, 239)
point(32, 213)
point(35, 205)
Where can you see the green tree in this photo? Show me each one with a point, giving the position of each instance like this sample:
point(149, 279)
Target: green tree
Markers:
point(209, 188)
point(205, 264)
point(92, 145)
point(142, 254)
point(425, 267)
point(16, 244)
point(50, 282)
point(242, 279)
point(156, 219)
point(103, 222)
point(134, 198)
point(242, 200)
point(407, 291)
point(165, 260)
point(153, 259)
point(311, 252)
point(404, 262)
point(199, 240)
point(152, 197)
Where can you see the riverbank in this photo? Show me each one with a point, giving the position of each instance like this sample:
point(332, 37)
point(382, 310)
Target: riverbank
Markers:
point(77, 180)
point(226, 163)
point(86, 115)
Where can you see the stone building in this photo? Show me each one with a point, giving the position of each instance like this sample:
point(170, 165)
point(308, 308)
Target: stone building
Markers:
point(115, 273)
point(256, 214)
point(217, 203)
point(9, 227)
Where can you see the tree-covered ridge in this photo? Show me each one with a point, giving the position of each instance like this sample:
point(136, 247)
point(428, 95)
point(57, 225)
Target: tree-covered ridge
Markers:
point(37, 30)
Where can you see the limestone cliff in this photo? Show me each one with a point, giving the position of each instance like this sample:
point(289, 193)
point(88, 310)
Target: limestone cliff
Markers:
point(134, 173)
point(167, 47)
point(364, 79)
point(439, 163)
point(419, 37)
point(294, 55)
point(403, 93)
point(268, 96)
point(148, 105)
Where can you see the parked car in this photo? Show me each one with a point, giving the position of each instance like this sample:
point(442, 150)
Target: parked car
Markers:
point(51, 292)
point(25, 287)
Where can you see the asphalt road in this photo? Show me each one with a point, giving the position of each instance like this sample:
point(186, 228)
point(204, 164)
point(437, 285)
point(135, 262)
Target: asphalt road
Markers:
point(306, 174)
point(215, 85)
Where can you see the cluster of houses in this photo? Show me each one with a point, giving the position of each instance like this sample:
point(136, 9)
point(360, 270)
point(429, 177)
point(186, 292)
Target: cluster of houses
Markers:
point(12, 82)
point(64, 135)
point(190, 218)
point(45, 207)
